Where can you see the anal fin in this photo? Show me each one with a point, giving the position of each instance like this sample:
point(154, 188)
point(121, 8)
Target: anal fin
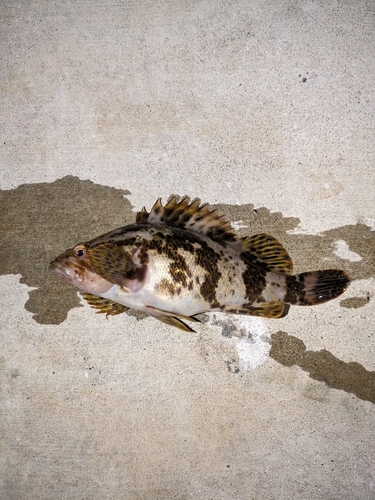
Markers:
point(273, 309)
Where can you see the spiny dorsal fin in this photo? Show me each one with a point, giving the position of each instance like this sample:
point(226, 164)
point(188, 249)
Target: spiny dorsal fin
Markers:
point(109, 307)
point(188, 215)
point(265, 250)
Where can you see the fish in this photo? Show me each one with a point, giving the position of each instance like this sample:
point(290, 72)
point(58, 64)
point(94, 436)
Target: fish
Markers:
point(182, 259)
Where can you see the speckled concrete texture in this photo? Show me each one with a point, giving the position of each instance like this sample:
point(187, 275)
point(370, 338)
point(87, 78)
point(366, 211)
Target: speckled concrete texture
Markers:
point(264, 109)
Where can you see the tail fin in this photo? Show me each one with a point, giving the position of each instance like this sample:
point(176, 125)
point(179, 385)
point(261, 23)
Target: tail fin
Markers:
point(315, 287)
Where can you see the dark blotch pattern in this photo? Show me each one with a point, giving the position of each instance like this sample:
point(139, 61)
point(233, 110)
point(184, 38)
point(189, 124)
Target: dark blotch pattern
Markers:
point(204, 255)
point(207, 258)
point(179, 270)
point(254, 279)
point(168, 288)
point(295, 293)
point(143, 255)
point(169, 245)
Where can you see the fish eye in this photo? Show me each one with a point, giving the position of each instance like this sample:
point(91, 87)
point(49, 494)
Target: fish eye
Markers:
point(80, 252)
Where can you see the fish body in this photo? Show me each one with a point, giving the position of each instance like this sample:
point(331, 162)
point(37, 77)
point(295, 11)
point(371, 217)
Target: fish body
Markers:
point(183, 259)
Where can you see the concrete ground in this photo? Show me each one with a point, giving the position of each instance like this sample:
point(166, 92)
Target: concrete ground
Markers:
point(264, 109)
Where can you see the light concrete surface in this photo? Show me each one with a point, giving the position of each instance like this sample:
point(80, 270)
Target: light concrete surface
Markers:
point(265, 105)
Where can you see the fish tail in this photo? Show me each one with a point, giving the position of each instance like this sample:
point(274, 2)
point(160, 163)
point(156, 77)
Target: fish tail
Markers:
point(315, 287)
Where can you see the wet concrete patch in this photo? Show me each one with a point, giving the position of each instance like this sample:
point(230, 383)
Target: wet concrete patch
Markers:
point(355, 302)
point(323, 366)
point(39, 221)
point(309, 252)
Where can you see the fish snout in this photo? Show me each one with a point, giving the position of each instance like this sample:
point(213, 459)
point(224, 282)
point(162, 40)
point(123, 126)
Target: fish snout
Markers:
point(68, 271)
point(79, 274)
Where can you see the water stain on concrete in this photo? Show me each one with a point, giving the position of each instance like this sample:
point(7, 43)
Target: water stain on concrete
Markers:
point(309, 252)
point(323, 366)
point(355, 302)
point(39, 221)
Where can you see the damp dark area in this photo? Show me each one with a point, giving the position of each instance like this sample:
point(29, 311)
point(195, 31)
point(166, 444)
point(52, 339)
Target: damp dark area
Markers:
point(323, 366)
point(355, 302)
point(40, 221)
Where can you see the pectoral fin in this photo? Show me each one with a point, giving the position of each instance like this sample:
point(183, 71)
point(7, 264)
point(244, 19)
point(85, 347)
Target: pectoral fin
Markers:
point(112, 263)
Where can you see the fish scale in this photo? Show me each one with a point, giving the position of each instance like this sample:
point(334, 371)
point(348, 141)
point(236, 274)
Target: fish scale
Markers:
point(182, 259)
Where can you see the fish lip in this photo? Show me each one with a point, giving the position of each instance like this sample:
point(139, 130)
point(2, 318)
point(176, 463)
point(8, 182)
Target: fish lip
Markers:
point(65, 272)
point(55, 267)
point(79, 276)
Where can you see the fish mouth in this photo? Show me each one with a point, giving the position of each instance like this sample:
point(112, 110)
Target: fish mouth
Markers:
point(68, 270)
point(70, 273)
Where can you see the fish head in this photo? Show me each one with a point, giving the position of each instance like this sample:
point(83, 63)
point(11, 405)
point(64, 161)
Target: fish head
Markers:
point(74, 267)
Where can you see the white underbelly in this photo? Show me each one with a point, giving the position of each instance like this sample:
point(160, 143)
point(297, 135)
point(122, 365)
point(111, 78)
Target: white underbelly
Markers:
point(186, 303)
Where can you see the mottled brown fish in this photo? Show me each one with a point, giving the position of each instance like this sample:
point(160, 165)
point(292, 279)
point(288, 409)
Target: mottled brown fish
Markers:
point(183, 259)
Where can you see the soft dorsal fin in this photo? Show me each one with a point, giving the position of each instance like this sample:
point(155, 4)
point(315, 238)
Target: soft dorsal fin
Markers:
point(265, 250)
point(188, 215)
